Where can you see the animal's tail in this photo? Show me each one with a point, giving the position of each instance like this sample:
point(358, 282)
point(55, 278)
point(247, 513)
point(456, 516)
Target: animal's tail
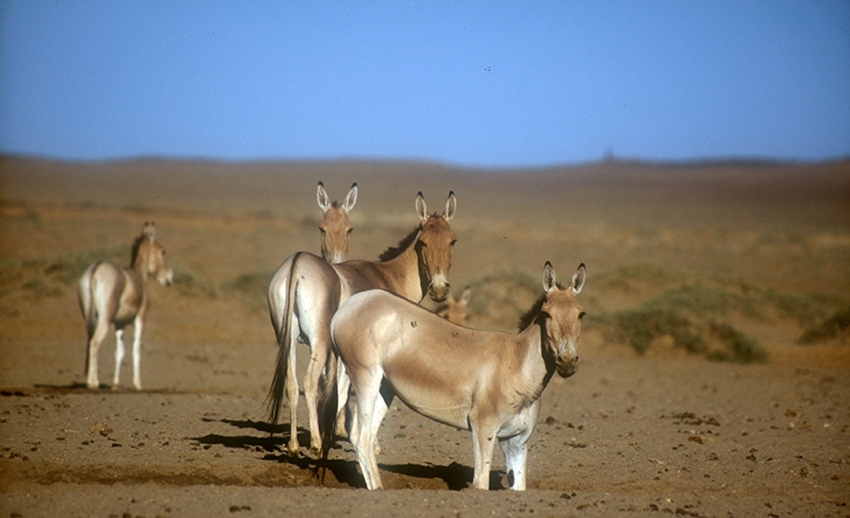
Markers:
point(284, 336)
point(86, 299)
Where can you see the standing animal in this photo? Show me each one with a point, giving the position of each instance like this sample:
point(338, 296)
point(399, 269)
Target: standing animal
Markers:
point(110, 295)
point(306, 291)
point(456, 310)
point(335, 227)
point(484, 381)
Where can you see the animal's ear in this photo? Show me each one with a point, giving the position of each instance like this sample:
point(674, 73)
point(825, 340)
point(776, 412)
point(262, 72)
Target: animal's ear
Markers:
point(149, 230)
point(548, 277)
point(351, 197)
point(322, 197)
point(451, 206)
point(466, 295)
point(421, 208)
point(578, 279)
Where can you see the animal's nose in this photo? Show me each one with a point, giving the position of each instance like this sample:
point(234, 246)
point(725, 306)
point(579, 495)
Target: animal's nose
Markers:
point(439, 292)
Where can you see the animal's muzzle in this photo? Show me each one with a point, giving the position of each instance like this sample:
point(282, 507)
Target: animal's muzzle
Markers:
point(567, 367)
point(167, 279)
point(439, 288)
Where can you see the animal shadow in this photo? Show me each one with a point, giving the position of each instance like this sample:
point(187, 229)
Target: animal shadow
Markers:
point(456, 476)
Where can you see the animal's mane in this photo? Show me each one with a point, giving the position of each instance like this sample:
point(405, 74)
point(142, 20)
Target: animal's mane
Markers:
point(394, 251)
point(531, 315)
point(134, 251)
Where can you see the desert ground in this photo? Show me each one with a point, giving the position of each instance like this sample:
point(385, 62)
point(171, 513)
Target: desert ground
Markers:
point(715, 374)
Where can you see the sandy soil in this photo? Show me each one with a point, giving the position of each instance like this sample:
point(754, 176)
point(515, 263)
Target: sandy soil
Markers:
point(663, 432)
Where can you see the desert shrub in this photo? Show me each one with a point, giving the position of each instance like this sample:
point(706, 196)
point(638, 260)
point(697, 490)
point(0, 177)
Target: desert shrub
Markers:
point(189, 284)
point(251, 287)
point(501, 297)
point(689, 315)
point(252, 283)
point(68, 268)
point(639, 327)
point(39, 288)
point(626, 277)
point(704, 301)
point(736, 346)
point(836, 325)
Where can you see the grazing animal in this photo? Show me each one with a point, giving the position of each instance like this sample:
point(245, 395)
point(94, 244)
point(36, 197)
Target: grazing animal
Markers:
point(335, 227)
point(484, 381)
point(110, 295)
point(456, 310)
point(306, 291)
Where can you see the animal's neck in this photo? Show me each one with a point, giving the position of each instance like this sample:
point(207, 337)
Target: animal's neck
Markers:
point(537, 368)
point(140, 267)
point(403, 273)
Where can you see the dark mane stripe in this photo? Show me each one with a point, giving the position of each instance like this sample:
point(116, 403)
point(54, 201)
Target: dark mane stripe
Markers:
point(134, 252)
point(531, 315)
point(393, 252)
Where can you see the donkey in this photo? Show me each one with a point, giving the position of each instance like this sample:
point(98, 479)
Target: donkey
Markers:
point(335, 227)
point(484, 381)
point(112, 295)
point(306, 291)
point(456, 310)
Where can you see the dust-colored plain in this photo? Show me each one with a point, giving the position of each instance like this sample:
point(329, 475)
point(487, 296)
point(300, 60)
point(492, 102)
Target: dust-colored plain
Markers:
point(715, 374)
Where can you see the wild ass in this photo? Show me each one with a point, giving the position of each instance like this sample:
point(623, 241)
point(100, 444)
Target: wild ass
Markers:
point(483, 381)
point(306, 291)
point(456, 310)
point(335, 227)
point(113, 295)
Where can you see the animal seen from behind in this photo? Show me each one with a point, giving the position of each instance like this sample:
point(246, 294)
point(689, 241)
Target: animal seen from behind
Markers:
point(110, 295)
point(484, 381)
point(306, 291)
point(456, 310)
point(335, 227)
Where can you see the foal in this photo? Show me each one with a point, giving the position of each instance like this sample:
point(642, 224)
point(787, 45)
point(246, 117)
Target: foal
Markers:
point(484, 381)
point(113, 295)
point(456, 310)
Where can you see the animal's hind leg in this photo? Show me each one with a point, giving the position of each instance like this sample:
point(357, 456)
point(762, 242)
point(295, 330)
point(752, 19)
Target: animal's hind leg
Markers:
point(137, 352)
point(343, 384)
point(368, 391)
point(95, 341)
point(320, 349)
point(119, 355)
point(292, 393)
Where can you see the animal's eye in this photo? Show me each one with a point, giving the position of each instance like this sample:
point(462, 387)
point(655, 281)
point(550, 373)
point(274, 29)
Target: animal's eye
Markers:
point(322, 230)
point(581, 315)
point(349, 231)
point(453, 242)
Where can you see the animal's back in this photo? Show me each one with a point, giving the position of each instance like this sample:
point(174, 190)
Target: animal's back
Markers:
point(432, 364)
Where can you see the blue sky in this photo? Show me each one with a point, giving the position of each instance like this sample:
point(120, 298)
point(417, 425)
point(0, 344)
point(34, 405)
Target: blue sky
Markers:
point(465, 83)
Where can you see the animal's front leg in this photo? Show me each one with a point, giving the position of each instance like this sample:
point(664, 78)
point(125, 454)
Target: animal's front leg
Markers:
point(483, 441)
point(137, 354)
point(516, 454)
point(119, 356)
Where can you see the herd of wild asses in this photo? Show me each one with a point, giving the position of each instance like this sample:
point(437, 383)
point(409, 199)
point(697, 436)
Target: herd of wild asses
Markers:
point(367, 332)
